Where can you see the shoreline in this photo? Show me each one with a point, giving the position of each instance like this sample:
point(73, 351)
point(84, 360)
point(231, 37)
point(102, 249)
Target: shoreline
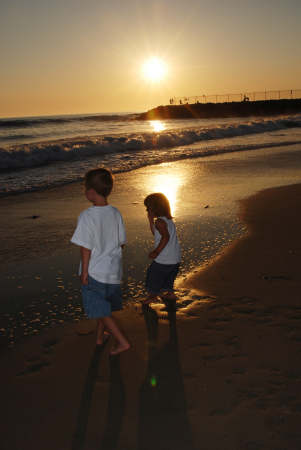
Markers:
point(223, 110)
point(225, 370)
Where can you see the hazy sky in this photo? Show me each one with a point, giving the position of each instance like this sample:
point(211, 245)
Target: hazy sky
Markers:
point(85, 56)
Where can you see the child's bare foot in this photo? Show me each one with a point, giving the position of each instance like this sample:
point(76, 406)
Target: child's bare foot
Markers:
point(169, 295)
point(150, 299)
point(100, 340)
point(120, 348)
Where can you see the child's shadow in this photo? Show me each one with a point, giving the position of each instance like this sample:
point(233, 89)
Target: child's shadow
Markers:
point(163, 419)
point(116, 406)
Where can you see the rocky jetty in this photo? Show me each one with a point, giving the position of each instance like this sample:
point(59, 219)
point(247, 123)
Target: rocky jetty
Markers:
point(220, 110)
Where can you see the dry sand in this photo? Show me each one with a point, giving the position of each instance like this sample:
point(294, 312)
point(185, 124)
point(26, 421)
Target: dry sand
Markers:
point(223, 373)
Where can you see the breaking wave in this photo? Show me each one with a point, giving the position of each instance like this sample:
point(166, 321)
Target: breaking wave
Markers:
point(22, 156)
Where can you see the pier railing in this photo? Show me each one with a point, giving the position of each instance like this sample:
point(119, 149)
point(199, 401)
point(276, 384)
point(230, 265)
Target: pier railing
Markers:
point(246, 96)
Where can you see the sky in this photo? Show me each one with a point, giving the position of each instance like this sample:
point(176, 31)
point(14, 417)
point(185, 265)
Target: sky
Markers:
point(87, 56)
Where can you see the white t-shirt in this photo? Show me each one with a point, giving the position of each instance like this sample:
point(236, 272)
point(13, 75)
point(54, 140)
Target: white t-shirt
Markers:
point(101, 230)
point(171, 253)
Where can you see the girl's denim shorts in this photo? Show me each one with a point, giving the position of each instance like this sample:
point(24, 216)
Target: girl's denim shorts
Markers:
point(161, 276)
point(101, 299)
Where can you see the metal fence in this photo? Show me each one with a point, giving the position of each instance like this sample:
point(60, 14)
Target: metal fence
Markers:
point(248, 96)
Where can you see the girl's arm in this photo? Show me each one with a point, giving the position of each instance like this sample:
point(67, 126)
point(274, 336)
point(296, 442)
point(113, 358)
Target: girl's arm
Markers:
point(85, 255)
point(161, 226)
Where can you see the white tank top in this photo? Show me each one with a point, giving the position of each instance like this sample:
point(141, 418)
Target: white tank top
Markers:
point(171, 253)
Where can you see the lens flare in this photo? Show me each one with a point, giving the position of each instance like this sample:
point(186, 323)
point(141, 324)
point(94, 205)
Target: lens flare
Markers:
point(153, 381)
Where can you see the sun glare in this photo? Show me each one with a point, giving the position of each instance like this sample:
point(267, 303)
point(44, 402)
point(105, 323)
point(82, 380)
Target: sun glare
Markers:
point(157, 125)
point(154, 69)
point(169, 186)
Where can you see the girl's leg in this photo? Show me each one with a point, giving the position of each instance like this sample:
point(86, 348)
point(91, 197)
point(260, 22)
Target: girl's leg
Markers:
point(169, 294)
point(101, 334)
point(153, 283)
point(122, 343)
point(152, 298)
point(169, 282)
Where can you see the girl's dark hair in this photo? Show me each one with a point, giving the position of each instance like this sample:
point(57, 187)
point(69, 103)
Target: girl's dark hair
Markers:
point(158, 204)
point(99, 179)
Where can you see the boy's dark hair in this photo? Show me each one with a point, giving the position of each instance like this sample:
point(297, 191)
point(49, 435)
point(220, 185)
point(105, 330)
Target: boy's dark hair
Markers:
point(99, 179)
point(158, 204)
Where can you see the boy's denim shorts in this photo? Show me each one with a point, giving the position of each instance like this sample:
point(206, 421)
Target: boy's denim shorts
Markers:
point(101, 299)
point(161, 276)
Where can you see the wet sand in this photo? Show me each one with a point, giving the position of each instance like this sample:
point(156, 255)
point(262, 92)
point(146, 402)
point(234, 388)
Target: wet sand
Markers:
point(39, 285)
point(224, 372)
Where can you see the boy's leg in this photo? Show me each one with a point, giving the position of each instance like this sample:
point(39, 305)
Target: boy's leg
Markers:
point(101, 334)
point(122, 343)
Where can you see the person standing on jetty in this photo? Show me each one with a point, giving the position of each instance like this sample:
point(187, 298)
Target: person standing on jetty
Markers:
point(101, 235)
point(164, 268)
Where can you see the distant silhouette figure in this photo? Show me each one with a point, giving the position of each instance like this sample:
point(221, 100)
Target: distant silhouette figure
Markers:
point(181, 102)
point(246, 99)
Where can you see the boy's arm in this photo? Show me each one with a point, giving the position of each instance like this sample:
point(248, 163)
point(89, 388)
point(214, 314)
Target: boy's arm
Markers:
point(85, 255)
point(161, 226)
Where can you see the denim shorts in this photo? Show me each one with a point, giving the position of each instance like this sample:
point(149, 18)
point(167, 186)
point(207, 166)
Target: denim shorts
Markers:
point(101, 299)
point(161, 276)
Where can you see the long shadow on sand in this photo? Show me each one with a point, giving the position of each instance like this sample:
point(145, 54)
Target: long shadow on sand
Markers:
point(79, 436)
point(163, 419)
point(116, 406)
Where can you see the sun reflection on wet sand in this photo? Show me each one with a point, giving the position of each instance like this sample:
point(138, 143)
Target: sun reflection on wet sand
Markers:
point(168, 184)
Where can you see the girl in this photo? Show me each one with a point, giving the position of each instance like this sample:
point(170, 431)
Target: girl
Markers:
point(164, 268)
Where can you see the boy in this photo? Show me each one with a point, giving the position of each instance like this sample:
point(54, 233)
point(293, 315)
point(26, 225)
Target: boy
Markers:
point(101, 235)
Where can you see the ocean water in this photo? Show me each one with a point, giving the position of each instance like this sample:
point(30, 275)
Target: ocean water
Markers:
point(41, 152)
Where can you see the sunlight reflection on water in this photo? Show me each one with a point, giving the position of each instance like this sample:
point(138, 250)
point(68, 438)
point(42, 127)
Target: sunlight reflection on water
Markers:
point(157, 125)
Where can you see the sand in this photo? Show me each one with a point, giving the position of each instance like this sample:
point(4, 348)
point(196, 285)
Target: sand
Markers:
point(224, 372)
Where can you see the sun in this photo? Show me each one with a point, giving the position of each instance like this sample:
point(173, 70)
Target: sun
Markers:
point(154, 69)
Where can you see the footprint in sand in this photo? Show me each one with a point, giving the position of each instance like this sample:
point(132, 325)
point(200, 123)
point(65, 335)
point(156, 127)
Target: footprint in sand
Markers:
point(233, 341)
point(36, 363)
point(34, 367)
point(49, 345)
